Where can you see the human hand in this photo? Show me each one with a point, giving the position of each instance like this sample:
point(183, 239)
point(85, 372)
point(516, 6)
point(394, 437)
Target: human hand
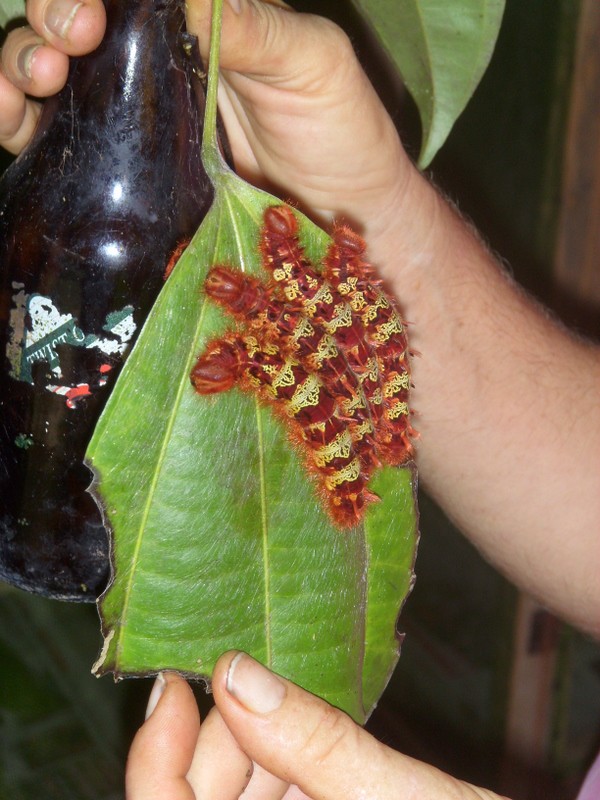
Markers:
point(35, 60)
point(271, 740)
point(301, 116)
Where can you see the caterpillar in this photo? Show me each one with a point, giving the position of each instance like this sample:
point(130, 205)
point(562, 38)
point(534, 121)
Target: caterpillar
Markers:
point(355, 279)
point(308, 408)
point(327, 351)
point(272, 320)
point(284, 257)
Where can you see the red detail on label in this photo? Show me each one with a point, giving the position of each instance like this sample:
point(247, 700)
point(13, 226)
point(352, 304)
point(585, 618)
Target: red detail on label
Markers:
point(72, 393)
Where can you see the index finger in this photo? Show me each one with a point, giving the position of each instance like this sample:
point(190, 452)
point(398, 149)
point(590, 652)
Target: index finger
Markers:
point(71, 26)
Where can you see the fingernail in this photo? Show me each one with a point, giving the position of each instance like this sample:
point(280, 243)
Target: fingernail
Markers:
point(60, 15)
point(25, 59)
point(160, 685)
point(236, 6)
point(253, 685)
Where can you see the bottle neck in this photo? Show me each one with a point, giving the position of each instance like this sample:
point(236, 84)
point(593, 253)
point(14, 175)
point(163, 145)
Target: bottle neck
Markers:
point(124, 73)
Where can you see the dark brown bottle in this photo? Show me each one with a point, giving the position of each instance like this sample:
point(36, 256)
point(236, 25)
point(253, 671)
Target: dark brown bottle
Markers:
point(90, 215)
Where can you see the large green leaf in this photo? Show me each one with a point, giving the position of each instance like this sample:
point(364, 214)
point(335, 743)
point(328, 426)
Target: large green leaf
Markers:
point(441, 48)
point(219, 538)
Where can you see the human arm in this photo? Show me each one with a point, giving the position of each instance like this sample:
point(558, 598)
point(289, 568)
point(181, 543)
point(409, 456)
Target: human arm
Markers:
point(509, 420)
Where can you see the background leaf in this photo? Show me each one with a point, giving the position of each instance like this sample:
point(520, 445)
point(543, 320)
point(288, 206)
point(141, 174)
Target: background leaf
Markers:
point(442, 50)
point(11, 10)
point(62, 733)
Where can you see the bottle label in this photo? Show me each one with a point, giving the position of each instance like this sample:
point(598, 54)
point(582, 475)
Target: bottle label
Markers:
point(38, 331)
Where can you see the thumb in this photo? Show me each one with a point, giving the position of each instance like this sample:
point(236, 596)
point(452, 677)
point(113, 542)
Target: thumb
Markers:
point(267, 40)
point(304, 741)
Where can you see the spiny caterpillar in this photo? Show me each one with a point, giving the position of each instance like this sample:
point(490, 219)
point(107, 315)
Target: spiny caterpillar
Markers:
point(327, 351)
point(356, 281)
point(306, 404)
point(363, 321)
point(273, 320)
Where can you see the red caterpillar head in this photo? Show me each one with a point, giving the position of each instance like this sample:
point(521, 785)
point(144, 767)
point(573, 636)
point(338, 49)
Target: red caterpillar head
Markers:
point(239, 293)
point(344, 258)
point(349, 243)
point(217, 369)
point(280, 223)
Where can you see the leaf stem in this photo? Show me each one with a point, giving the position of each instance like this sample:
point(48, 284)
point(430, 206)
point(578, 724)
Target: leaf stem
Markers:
point(211, 152)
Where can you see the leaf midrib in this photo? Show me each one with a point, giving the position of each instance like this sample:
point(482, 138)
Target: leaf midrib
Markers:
point(261, 462)
point(183, 384)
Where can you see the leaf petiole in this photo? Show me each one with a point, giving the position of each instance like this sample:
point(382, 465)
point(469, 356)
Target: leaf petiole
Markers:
point(212, 158)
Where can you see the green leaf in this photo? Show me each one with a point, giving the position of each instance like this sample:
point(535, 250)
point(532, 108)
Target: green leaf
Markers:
point(11, 10)
point(442, 50)
point(219, 538)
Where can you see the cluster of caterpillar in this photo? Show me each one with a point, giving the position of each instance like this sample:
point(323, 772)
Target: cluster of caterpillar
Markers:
point(326, 350)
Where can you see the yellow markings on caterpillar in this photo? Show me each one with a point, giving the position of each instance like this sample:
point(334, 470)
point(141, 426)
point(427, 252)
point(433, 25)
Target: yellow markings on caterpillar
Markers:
point(387, 329)
point(307, 394)
point(322, 295)
point(342, 318)
point(303, 329)
point(285, 375)
point(351, 404)
point(292, 290)
point(395, 383)
point(397, 410)
point(339, 447)
point(347, 474)
point(326, 348)
point(360, 431)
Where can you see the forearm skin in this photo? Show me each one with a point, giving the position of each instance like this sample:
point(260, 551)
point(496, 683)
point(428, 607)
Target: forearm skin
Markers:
point(507, 402)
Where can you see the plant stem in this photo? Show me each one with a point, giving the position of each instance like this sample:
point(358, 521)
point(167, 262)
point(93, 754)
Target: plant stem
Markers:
point(211, 152)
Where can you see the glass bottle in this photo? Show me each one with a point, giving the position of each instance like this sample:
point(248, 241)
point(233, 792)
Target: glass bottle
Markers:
point(91, 213)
